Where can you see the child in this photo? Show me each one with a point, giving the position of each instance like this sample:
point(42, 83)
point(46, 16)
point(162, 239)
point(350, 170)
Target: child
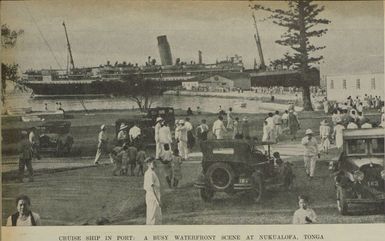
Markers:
point(176, 168)
point(304, 215)
point(132, 153)
point(140, 157)
point(324, 131)
point(166, 159)
point(122, 158)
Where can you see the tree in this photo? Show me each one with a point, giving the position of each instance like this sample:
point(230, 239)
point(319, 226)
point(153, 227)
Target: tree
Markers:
point(8, 71)
point(300, 20)
point(143, 91)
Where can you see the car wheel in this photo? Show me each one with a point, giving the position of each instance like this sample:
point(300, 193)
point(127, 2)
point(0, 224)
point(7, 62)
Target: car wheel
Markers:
point(220, 176)
point(206, 194)
point(257, 191)
point(342, 205)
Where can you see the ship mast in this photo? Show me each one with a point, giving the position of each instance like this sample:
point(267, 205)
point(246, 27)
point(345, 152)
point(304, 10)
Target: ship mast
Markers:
point(259, 46)
point(69, 47)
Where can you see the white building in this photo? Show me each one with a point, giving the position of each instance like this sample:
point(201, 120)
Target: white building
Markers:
point(339, 87)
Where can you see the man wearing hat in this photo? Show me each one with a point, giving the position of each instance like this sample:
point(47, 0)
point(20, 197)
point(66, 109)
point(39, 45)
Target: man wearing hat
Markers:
point(25, 157)
point(151, 185)
point(310, 152)
point(122, 135)
point(102, 144)
point(182, 139)
point(134, 134)
point(158, 145)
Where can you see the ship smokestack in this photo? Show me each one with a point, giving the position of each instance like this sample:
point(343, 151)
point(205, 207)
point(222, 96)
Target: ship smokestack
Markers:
point(200, 57)
point(164, 50)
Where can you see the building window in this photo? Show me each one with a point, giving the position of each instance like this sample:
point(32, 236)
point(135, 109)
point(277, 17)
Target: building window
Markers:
point(373, 84)
point(358, 84)
point(331, 84)
point(344, 84)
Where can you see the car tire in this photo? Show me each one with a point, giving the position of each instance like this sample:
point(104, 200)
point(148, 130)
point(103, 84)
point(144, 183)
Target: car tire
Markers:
point(342, 205)
point(206, 194)
point(258, 187)
point(220, 176)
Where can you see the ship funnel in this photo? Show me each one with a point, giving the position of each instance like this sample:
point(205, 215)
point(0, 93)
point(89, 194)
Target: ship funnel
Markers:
point(164, 50)
point(200, 57)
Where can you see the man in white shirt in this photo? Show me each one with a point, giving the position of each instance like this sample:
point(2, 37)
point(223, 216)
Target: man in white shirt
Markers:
point(304, 215)
point(122, 135)
point(310, 152)
point(134, 134)
point(219, 128)
point(151, 185)
point(24, 216)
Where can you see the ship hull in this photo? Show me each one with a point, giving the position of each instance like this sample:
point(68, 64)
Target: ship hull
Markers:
point(79, 88)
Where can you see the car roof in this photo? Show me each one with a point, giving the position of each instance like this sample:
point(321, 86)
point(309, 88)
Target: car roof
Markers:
point(363, 133)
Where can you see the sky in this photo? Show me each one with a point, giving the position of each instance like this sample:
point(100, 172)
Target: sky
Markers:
point(127, 31)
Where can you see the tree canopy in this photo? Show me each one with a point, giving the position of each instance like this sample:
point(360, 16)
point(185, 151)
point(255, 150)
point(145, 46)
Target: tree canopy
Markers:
point(301, 20)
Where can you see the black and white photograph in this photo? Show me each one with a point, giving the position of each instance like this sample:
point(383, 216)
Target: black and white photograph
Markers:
point(138, 113)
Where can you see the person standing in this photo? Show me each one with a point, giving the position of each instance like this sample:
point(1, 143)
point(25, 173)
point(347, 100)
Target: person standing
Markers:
point(293, 124)
point(219, 128)
point(267, 135)
point(382, 124)
point(277, 125)
point(25, 157)
point(158, 146)
point(337, 133)
point(164, 136)
point(230, 119)
point(102, 144)
point(132, 152)
point(245, 128)
point(304, 215)
point(116, 157)
point(140, 157)
point(310, 152)
point(122, 135)
point(24, 216)
point(326, 105)
point(190, 134)
point(324, 131)
point(182, 139)
point(236, 129)
point(202, 131)
point(176, 168)
point(134, 135)
point(34, 140)
point(285, 120)
point(151, 185)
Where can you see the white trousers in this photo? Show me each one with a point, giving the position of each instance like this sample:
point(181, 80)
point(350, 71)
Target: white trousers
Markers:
point(158, 150)
point(183, 150)
point(153, 210)
point(310, 162)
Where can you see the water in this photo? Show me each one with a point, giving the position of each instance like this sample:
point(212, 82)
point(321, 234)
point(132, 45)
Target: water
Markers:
point(206, 104)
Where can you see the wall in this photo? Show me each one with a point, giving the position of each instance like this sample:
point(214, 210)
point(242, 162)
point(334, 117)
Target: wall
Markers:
point(339, 92)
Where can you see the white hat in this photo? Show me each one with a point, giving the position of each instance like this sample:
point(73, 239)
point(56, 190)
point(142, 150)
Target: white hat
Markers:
point(245, 119)
point(159, 119)
point(181, 121)
point(102, 127)
point(308, 132)
point(123, 126)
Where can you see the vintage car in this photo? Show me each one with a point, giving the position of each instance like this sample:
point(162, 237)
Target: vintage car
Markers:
point(54, 137)
point(233, 166)
point(359, 172)
point(146, 123)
